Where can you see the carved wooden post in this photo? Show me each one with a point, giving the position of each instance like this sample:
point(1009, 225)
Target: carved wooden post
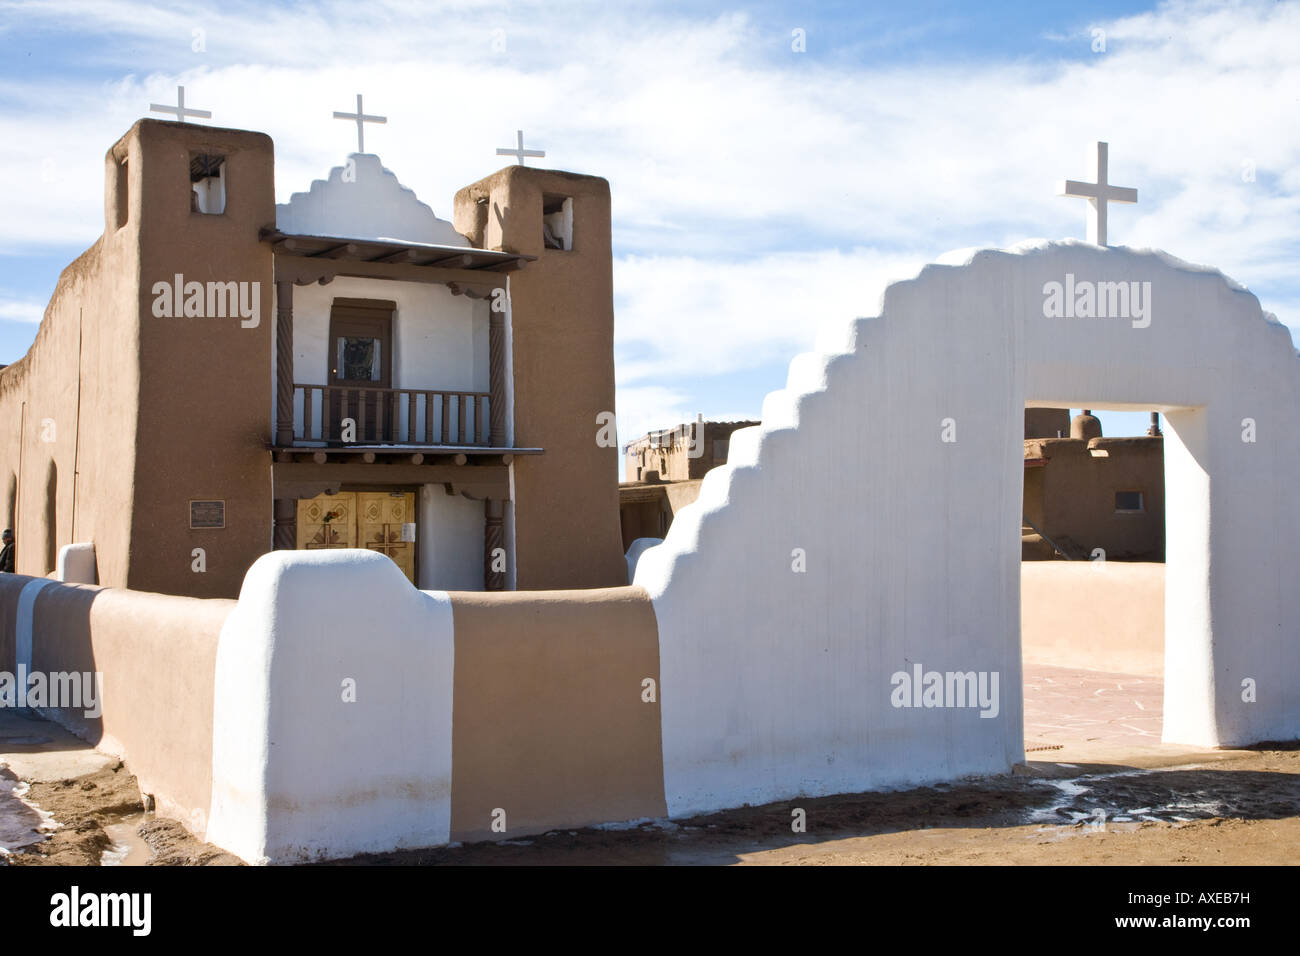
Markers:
point(497, 379)
point(494, 544)
point(285, 510)
point(283, 364)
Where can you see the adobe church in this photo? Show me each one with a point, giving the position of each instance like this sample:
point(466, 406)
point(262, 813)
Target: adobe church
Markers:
point(219, 376)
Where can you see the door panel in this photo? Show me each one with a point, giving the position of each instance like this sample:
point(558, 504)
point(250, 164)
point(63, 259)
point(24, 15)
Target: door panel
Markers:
point(374, 520)
point(381, 517)
point(328, 521)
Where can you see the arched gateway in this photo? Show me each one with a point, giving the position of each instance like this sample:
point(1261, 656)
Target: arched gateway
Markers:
point(870, 527)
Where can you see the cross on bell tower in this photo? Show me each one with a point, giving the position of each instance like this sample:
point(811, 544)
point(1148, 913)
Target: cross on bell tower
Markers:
point(519, 152)
point(179, 109)
point(361, 119)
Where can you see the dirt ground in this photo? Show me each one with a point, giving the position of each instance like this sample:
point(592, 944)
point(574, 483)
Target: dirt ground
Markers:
point(1235, 807)
point(90, 808)
point(1239, 807)
point(1098, 788)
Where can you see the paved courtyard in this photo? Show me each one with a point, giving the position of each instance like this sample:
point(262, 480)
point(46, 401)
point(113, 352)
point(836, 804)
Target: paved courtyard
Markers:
point(1067, 707)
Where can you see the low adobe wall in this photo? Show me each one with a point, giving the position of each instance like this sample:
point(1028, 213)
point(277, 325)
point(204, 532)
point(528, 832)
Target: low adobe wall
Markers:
point(550, 720)
point(355, 714)
point(1101, 616)
point(303, 722)
point(155, 654)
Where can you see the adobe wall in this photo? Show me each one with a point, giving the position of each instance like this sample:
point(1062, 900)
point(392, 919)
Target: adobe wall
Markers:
point(1047, 423)
point(641, 517)
point(1072, 497)
point(155, 654)
point(11, 588)
point(1092, 615)
point(566, 523)
point(549, 721)
point(461, 705)
point(71, 438)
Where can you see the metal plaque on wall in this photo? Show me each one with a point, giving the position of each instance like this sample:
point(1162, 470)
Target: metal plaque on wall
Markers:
point(207, 514)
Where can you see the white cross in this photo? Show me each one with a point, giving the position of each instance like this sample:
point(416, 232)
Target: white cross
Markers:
point(1098, 194)
point(519, 152)
point(361, 118)
point(179, 109)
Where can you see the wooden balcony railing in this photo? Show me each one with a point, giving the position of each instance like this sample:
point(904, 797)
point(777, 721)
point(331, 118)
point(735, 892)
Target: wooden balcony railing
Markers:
point(391, 416)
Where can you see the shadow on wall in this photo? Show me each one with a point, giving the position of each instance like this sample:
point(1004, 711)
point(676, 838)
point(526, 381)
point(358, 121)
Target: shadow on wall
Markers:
point(66, 662)
point(50, 520)
point(150, 658)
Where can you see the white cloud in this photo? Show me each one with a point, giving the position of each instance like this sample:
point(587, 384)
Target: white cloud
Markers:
point(691, 317)
point(647, 408)
point(21, 310)
point(757, 193)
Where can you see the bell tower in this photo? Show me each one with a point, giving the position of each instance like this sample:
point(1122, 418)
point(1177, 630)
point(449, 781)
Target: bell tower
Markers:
point(561, 318)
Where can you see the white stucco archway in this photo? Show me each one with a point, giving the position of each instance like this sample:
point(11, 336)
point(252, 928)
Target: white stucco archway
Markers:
point(776, 681)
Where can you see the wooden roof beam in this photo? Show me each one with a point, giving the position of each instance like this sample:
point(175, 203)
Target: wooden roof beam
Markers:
point(347, 250)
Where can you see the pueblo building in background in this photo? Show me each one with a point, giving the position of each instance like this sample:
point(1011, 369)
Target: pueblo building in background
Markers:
point(219, 376)
point(1085, 492)
point(1082, 492)
point(663, 471)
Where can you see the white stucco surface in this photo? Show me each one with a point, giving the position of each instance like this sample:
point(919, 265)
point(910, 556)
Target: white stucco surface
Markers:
point(451, 541)
point(777, 682)
point(364, 200)
point(634, 551)
point(76, 564)
point(24, 619)
point(298, 771)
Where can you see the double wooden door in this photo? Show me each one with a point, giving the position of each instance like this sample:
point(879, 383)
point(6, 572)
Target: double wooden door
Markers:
point(382, 521)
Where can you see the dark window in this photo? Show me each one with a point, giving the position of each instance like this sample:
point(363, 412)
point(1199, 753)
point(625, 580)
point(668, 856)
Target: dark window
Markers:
point(121, 204)
point(557, 222)
point(207, 183)
point(1128, 501)
point(360, 358)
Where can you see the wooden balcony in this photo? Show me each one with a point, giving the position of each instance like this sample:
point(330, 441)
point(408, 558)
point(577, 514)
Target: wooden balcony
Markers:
point(392, 416)
point(313, 414)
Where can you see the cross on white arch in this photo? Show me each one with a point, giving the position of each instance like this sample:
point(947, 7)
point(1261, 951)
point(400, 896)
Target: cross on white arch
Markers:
point(179, 109)
point(519, 152)
point(361, 119)
point(1098, 194)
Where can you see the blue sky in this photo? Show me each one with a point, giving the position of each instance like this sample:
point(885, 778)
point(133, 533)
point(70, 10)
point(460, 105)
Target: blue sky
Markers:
point(739, 166)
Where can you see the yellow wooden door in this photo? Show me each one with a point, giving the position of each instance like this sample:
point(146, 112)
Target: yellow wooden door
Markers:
point(378, 520)
point(386, 523)
point(328, 521)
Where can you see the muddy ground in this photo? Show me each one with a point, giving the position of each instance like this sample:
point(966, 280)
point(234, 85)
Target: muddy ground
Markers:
point(1222, 807)
point(90, 808)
